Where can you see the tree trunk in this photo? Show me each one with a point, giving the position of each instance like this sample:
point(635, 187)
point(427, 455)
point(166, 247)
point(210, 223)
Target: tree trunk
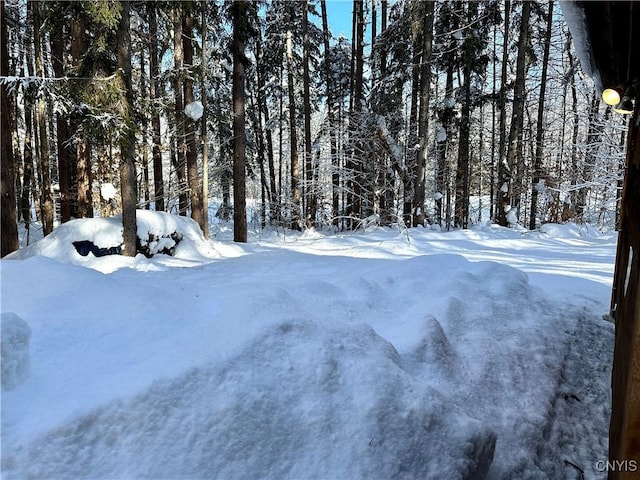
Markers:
point(144, 125)
point(263, 109)
point(62, 131)
point(427, 15)
point(25, 205)
point(514, 151)
point(461, 215)
point(570, 213)
point(239, 141)
point(41, 113)
point(193, 179)
point(83, 196)
point(537, 168)
point(387, 213)
point(154, 92)
point(295, 168)
point(310, 203)
point(504, 173)
point(8, 223)
point(335, 175)
point(203, 125)
point(411, 173)
point(127, 151)
point(180, 127)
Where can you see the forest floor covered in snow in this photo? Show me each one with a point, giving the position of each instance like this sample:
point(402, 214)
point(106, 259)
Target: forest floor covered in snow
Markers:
point(379, 354)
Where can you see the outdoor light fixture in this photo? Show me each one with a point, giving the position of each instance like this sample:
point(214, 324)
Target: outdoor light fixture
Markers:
point(625, 107)
point(612, 96)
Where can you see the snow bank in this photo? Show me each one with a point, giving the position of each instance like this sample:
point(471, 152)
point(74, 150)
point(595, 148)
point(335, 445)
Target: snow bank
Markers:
point(302, 401)
point(156, 230)
point(569, 230)
point(16, 335)
point(375, 355)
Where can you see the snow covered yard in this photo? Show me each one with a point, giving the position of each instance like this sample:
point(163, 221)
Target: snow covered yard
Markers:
point(383, 354)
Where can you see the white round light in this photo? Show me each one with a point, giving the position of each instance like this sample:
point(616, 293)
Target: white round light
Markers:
point(611, 96)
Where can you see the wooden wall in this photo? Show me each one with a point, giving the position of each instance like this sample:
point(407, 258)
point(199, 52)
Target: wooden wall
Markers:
point(624, 431)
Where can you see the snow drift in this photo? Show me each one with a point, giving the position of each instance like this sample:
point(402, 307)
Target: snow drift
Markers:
point(16, 336)
point(302, 401)
point(362, 356)
point(157, 232)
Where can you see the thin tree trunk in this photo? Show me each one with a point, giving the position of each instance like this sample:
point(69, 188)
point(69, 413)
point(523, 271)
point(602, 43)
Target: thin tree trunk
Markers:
point(310, 203)
point(335, 175)
point(180, 127)
point(127, 150)
point(193, 179)
point(264, 109)
point(145, 135)
point(203, 134)
point(62, 131)
point(514, 144)
point(411, 174)
point(492, 189)
point(387, 213)
point(25, 205)
point(239, 141)
point(461, 216)
point(9, 224)
point(295, 168)
point(41, 113)
point(427, 15)
point(154, 91)
point(537, 168)
point(575, 173)
point(504, 173)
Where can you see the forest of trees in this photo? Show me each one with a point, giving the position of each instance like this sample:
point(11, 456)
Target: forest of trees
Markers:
point(441, 114)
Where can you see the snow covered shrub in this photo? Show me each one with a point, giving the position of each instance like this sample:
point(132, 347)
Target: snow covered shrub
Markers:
point(15, 350)
point(165, 244)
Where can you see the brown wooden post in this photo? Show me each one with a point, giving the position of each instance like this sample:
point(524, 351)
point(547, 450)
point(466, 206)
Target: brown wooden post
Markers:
point(624, 431)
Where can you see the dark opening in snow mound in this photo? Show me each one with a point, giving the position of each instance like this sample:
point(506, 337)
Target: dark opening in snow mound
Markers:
point(302, 401)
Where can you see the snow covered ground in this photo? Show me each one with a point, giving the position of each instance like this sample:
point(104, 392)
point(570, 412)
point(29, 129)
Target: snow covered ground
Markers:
point(383, 354)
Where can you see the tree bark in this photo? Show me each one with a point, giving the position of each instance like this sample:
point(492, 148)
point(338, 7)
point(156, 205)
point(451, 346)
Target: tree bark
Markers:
point(335, 175)
point(295, 167)
point(310, 203)
point(514, 144)
point(127, 151)
point(423, 115)
point(461, 215)
point(154, 91)
point(537, 167)
point(41, 113)
point(203, 125)
point(62, 130)
point(8, 223)
point(193, 179)
point(356, 167)
point(83, 196)
point(503, 168)
point(180, 127)
point(239, 141)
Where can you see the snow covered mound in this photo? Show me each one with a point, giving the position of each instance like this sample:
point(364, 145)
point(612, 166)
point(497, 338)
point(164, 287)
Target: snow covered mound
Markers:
point(355, 356)
point(569, 230)
point(158, 232)
point(302, 401)
point(16, 335)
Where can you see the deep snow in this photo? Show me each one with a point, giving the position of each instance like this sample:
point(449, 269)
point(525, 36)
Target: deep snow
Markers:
point(384, 354)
